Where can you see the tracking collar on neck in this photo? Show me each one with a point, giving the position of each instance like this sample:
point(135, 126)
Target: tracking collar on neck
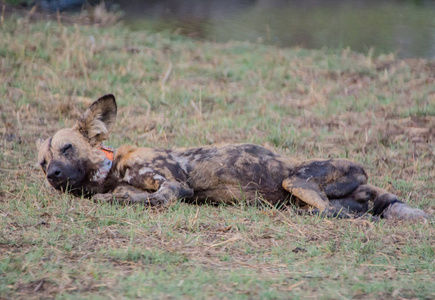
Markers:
point(108, 151)
point(104, 167)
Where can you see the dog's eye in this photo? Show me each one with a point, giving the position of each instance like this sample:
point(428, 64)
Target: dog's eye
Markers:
point(65, 148)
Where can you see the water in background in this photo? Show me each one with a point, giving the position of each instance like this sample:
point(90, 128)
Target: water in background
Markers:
point(401, 27)
point(406, 28)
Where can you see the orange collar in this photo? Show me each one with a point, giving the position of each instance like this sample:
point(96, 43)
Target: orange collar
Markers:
point(108, 151)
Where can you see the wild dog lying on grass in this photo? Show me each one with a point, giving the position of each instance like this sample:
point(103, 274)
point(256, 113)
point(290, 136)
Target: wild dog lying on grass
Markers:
point(74, 161)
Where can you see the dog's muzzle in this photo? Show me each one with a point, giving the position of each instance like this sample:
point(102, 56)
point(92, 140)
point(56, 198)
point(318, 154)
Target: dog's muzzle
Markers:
point(61, 177)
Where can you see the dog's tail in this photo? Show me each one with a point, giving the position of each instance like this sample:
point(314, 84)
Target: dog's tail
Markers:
point(389, 206)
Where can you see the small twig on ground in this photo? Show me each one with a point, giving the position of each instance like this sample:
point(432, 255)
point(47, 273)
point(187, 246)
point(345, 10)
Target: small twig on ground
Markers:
point(224, 242)
point(164, 79)
point(39, 286)
point(167, 74)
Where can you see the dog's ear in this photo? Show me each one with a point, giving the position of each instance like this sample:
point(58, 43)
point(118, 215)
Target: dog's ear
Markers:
point(97, 121)
point(39, 143)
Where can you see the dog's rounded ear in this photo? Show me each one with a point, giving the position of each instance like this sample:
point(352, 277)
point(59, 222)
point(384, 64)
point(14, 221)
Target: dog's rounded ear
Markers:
point(43, 150)
point(39, 143)
point(97, 121)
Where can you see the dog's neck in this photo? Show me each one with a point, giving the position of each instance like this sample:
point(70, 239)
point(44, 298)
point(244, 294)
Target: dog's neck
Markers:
point(108, 151)
point(105, 166)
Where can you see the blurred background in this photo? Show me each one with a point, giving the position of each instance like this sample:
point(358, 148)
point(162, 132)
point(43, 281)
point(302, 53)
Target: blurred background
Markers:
point(405, 28)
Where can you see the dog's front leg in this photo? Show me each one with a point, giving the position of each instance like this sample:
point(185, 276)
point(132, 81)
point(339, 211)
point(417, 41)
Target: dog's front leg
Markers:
point(168, 192)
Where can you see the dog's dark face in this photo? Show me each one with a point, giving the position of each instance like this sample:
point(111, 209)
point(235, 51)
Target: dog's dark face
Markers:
point(71, 157)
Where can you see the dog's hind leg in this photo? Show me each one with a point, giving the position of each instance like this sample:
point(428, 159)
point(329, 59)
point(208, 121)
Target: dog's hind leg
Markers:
point(316, 181)
point(330, 185)
point(310, 193)
point(307, 191)
point(356, 202)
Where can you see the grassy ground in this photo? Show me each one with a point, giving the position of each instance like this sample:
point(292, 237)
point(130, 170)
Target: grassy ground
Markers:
point(173, 91)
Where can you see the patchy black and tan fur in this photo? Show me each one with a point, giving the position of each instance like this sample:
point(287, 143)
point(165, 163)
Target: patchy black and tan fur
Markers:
point(73, 161)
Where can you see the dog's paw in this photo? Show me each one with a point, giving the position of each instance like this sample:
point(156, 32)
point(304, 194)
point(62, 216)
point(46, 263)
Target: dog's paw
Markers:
point(402, 211)
point(146, 199)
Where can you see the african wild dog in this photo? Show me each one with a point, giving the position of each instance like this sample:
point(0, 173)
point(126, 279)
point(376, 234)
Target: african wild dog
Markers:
point(75, 161)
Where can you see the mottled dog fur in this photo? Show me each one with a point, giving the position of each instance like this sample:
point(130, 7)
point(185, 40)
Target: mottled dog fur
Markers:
point(74, 162)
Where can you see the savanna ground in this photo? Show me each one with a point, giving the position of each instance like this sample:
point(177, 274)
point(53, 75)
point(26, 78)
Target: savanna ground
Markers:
point(173, 91)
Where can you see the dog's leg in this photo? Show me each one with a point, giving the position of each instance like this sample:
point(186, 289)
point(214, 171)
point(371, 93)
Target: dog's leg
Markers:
point(307, 191)
point(316, 181)
point(119, 195)
point(356, 202)
point(310, 193)
point(389, 206)
point(168, 192)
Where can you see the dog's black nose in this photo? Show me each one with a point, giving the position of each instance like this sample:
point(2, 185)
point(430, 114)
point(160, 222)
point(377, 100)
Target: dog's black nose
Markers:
point(54, 173)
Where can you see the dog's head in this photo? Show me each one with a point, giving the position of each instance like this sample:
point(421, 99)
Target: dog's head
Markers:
point(72, 159)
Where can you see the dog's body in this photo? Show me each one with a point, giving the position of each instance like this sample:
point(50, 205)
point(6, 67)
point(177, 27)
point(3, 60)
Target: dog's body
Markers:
point(74, 161)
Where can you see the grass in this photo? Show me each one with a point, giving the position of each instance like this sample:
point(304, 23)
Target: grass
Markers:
point(379, 111)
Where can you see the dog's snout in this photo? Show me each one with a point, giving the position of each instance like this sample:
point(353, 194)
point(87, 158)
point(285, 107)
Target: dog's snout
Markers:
point(54, 173)
point(63, 176)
